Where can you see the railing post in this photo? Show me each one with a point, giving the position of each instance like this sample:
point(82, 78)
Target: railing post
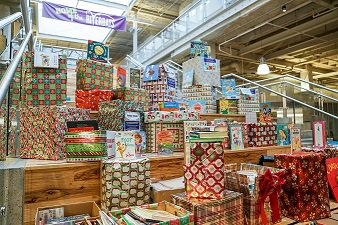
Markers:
point(26, 21)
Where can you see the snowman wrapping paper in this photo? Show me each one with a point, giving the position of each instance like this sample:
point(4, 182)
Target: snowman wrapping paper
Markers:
point(125, 183)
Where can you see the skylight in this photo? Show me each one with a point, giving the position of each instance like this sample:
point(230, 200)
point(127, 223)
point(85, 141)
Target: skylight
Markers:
point(75, 32)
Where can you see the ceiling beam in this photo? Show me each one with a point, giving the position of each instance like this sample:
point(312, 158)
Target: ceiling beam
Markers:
point(291, 32)
point(324, 3)
point(150, 12)
point(301, 46)
point(326, 75)
point(108, 4)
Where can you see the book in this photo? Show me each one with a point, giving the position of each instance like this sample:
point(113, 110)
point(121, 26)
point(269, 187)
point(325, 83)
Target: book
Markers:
point(211, 140)
point(125, 145)
point(229, 90)
point(283, 135)
point(332, 175)
point(236, 136)
point(198, 106)
point(152, 214)
point(208, 134)
point(135, 78)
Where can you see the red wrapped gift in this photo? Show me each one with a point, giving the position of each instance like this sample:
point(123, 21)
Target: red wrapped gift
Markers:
point(305, 195)
point(91, 99)
point(204, 175)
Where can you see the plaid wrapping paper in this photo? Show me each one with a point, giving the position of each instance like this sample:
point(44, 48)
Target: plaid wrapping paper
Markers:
point(225, 211)
point(204, 175)
point(201, 76)
point(93, 75)
point(125, 183)
point(185, 217)
point(240, 183)
point(43, 86)
point(305, 192)
point(91, 99)
point(169, 117)
point(111, 114)
point(328, 151)
point(86, 146)
point(152, 129)
point(42, 130)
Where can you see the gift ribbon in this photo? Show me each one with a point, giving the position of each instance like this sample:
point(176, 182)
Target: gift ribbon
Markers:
point(270, 185)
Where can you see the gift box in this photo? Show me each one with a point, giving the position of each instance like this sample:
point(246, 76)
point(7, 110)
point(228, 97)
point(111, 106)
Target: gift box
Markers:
point(225, 211)
point(131, 94)
point(248, 103)
point(204, 175)
point(93, 75)
point(260, 193)
point(206, 71)
point(328, 151)
point(86, 146)
point(168, 117)
point(15, 86)
point(163, 189)
point(125, 183)
point(154, 129)
point(262, 134)
point(111, 114)
point(91, 99)
point(201, 93)
point(43, 86)
point(305, 194)
point(185, 217)
point(42, 130)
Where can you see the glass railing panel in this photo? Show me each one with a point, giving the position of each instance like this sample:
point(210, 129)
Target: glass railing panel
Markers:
point(180, 27)
point(157, 43)
point(210, 8)
point(195, 17)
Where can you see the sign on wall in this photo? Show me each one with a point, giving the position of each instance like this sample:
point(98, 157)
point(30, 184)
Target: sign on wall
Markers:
point(46, 60)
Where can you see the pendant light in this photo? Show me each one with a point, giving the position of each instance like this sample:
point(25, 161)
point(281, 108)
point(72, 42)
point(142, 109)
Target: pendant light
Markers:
point(263, 68)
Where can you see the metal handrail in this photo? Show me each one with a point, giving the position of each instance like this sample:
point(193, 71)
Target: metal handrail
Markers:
point(10, 19)
point(277, 93)
point(9, 74)
point(298, 86)
point(175, 63)
point(295, 78)
point(137, 63)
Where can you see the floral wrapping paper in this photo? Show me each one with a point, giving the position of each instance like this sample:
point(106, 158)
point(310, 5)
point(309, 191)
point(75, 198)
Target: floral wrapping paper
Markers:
point(225, 211)
point(86, 146)
point(43, 86)
point(328, 151)
point(169, 117)
point(42, 130)
point(133, 94)
point(93, 75)
point(240, 183)
point(204, 175)
point(91, 99)
point(185, 217)
point(152, 130)
point(262, 134)
point(111, 114)
point(305, 192)
point(125, 183)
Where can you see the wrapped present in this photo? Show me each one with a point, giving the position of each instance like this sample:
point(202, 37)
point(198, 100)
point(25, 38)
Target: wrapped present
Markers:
point(261, 188)
point(328, 151)
point(163, 189)
point(91, 99)
point(85, 146)
point(184, 216)
point(262, 134)
point(111, 114)
point(204, 175)
point(225, 211)
point(42, 130)
point(206, 71)
point(125, 183)
point(15, 86)
point(205, 94)
point(169, 117)
point(153, 130)
point(93, 75)
point(305, 194)
point(248, 103)
point(131, 94)
point(43, 86)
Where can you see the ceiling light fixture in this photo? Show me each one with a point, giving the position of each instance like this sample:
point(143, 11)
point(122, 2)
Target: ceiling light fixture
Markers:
point(284, 8)
point(263, 68)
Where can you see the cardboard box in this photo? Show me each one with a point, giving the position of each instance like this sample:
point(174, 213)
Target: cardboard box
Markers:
point(72, 209)
point(162, 190)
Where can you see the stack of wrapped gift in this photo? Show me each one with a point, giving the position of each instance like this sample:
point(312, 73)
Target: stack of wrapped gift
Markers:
point(94, 83)
point(43, 86)
point(248, 103)
point(42, 130)
point(261, 188)
point(111, 114)
point(262, 134)
point(15, 86)
point(328, 151)
point(132, 94)
point(85, 146)
point(160, 122)
point(204, 95)
point(305, 194)
point(125, 183)
point(227, 106)
point(162, 89)
point(205, 194)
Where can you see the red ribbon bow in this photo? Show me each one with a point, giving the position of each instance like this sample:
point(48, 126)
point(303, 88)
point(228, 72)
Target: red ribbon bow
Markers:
point(270, 185)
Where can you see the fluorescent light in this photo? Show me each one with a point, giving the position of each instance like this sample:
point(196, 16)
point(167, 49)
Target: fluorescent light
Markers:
point(263, 68)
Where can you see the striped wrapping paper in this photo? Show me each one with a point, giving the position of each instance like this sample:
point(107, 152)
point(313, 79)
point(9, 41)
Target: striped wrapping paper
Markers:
point(225, 211)
point(240, 183)
point(86, 146)
point(42, 130)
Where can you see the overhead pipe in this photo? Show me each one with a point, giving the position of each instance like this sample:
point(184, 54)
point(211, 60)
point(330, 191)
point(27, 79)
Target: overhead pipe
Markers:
point(10, 19)
point(282, 95)
point(26, 21)
point(9, 74)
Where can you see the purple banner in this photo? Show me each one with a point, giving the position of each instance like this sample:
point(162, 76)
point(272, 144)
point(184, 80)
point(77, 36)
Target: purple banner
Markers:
point(70, 14)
